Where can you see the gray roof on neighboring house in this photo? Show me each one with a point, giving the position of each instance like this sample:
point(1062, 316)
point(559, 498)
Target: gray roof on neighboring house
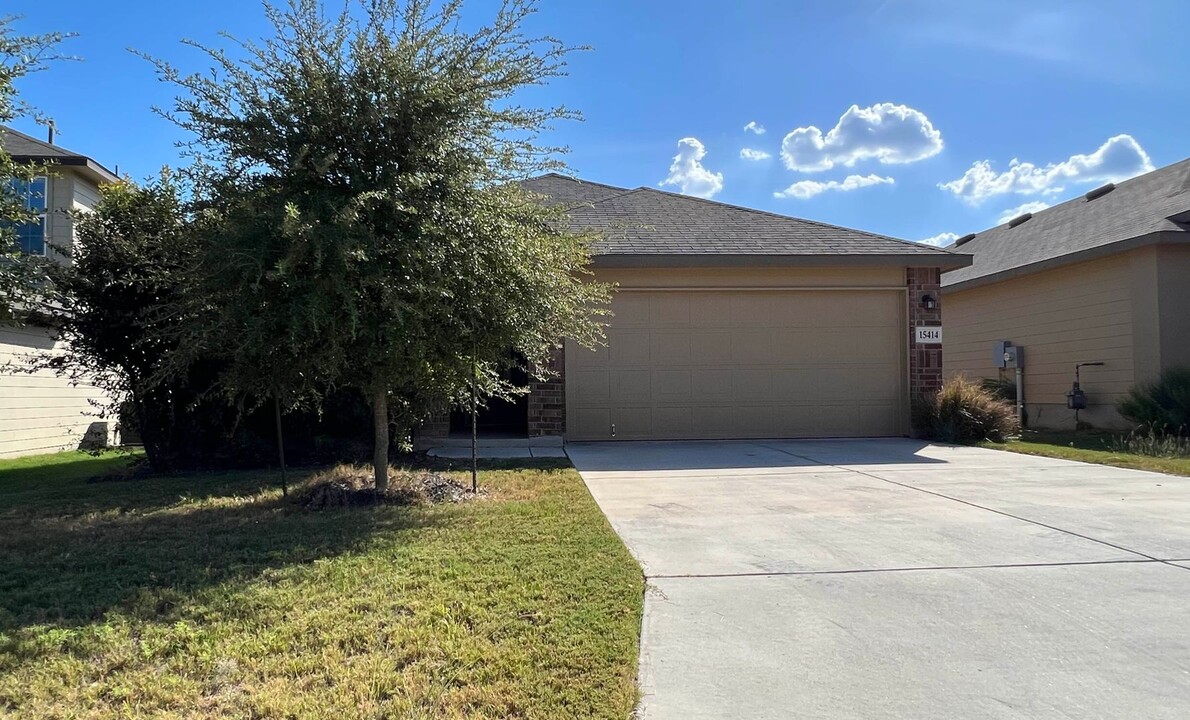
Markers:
point(646, 223)
point(1154, 207)
point(25, 148)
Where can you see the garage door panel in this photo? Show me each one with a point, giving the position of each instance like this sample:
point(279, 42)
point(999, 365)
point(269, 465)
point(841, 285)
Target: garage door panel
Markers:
point(749, 346)
point(632, 423)
point(631, 310)
point(670, 386)
point(711, 347)
point(752, 384)
point(717, 423)
point(838, 421)
point(744, 363)
point(628, 347)
point(793, 382)
point(591, 387)
point(870, 385)
point(708, 310)
point(874, 417)
point(711, 385)
point(589, 422)
point(669, 310)
point(751, 309)
point(876, 346)
point(675, 421)
point(630, 387)
point(753, 421)
point(669, 348)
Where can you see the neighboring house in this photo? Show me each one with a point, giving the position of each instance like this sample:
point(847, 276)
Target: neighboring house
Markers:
point(41, 412)
point(736, 323)
point(1101, 278)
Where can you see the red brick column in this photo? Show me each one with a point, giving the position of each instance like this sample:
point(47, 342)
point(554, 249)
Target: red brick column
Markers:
point(547, 398)
point(925, 361)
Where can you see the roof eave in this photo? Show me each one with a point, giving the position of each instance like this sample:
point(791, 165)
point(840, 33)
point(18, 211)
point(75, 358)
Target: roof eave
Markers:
point(85, 165)
point(947, 261)
point(1162, 237)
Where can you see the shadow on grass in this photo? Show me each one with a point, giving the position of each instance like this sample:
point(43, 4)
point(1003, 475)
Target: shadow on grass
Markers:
point(72, 549)
point(72, 569)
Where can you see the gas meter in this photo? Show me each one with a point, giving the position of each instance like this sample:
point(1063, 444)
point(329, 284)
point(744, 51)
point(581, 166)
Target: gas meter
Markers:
point(1076, 399)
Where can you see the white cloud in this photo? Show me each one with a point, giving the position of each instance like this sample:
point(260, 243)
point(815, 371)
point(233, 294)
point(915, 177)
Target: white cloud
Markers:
point(1029, 207)
point(889, 133)
point(687, 173)
point(805, 189)
point(755, 127)
point(751, 154)
point(941, 239)
point(1120, 158)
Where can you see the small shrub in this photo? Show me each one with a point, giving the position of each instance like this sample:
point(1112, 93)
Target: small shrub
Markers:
point(1162, 406)
point(1000, 388)
point(1152, 443)
point(963, 412)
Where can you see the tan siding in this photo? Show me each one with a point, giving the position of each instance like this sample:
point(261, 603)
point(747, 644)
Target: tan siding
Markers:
point(59, 228)
point(1080, 313)
point(39, 412)
point(1174, 275)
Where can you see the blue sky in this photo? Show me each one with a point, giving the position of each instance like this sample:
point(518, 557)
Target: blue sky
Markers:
point(898, 116)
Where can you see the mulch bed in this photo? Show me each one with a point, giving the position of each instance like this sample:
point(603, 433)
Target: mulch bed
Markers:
point(348, 486)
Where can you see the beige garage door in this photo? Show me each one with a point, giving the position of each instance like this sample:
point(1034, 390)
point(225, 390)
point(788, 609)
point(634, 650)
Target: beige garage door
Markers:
point(742, 364)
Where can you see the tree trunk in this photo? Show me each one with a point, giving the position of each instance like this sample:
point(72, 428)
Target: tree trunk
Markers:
point(280, 445)
point(380, 438)
point(474, 431)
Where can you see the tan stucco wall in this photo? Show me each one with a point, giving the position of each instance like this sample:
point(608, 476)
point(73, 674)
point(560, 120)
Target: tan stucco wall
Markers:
point(40, 413)
point(1078, 313)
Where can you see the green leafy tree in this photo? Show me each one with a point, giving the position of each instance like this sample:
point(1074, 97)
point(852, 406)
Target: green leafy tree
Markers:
point(22, 279)
point(113, 311)
point(360, 222)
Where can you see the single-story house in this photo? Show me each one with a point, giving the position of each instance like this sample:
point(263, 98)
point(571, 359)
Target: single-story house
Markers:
point(41, 412)
point(1103, 278)
point(730, 322)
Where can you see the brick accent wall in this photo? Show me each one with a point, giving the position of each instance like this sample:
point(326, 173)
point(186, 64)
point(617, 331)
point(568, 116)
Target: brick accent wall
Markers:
point(925, 361)
point(547, 399)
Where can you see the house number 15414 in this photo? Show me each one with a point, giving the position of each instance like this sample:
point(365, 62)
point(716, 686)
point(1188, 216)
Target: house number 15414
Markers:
point(929, 335)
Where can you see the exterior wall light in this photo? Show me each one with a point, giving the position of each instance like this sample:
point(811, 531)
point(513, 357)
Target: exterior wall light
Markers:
point(928, 302)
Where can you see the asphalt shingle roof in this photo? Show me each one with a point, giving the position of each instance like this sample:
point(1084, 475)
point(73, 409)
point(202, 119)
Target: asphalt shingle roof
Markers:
point(25, 148)
point(1136, 207)
point(645, 221)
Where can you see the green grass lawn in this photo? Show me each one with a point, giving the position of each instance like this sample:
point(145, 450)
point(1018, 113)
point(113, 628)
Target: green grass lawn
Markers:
point(1091, 446)
point(212, 596)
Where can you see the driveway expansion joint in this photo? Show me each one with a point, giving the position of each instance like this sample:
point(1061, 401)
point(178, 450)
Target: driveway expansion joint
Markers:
point(862, 571)
point(968, 503)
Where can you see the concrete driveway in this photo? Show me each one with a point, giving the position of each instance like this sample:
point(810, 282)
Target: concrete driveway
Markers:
point(897, 579)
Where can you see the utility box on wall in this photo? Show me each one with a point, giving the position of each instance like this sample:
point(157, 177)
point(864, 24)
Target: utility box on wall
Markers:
point(1007, 355)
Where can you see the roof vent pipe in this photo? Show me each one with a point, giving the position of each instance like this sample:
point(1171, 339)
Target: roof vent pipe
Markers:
point(965, 239)
point(1019, 220)
point(1100, 191)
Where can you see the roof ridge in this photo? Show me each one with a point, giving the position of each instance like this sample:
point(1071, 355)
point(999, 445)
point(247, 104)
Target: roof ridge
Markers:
point(580, 181)
point(779, 216)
